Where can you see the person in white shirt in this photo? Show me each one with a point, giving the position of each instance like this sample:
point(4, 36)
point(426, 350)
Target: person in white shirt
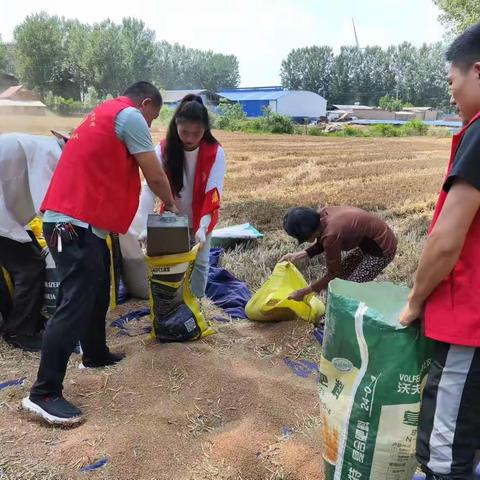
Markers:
point(195, 165)
point(27, 163)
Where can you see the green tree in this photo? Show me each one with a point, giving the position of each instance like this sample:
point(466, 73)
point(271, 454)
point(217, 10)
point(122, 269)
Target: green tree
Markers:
point(360, 75)
point(40, 50)
point(10, 65)
point(75, 61)
point(374, 76)
point(308, 68)
point(3, 56)
point(214, 71)
point(140, 50)
point(343, 86)
point(389, 103)
point(416, 75)
point(181, 67)
point(430, 85)
point(273, 122)
point(174, 61)
point(66, 57)
point(420, 74)
point(458, 15)
point(231, 116)
point(68, 79)
point(48, 57)
point(403, 60)
point(106, 58)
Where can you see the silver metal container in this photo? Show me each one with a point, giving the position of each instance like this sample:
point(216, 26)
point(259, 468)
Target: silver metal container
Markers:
point(167, 234)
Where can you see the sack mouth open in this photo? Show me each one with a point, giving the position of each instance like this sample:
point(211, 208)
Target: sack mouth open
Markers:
point(384, 298)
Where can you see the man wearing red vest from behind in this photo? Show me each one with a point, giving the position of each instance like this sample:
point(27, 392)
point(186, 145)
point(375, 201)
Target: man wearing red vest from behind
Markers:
point(94, 190)
point(447, 288)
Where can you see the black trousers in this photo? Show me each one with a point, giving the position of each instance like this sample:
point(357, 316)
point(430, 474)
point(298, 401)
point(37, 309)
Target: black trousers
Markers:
point(83, 268)
point(449, 427)
point(5, 301)
point(26, 265)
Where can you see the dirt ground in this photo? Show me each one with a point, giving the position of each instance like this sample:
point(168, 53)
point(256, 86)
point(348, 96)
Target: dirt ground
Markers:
point(226, 407)
point(241, 404)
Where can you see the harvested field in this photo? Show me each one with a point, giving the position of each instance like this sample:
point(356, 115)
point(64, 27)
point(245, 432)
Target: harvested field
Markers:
point(226, 407)
point(36, 125)
point(372, 173)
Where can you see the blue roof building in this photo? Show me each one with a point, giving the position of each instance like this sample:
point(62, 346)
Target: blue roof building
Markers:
point(297, 104)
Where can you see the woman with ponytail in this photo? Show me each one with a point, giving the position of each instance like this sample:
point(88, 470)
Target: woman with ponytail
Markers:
point(195, 165)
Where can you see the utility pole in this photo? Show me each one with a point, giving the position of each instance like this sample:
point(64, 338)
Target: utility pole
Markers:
point(355, 33)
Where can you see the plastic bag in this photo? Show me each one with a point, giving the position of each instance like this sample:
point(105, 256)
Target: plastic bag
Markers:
point(134, 268)
point(235, 235)
point(175, 312)
point(243, 231)
point(7, 279)
point(271, 302)
point(372, 372)
point(6, 293)
point(113, 245)
point(36, 226)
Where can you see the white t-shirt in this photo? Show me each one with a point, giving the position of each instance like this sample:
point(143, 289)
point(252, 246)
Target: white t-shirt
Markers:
point(184, 203)
point(27, 163)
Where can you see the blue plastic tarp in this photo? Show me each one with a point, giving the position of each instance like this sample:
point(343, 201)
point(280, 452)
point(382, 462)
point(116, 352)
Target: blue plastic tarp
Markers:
point(124, 324)
point(252, 95)
point(12, 383)
point(225, 290)
point(95, 466)
point(431, 123)
point(122, 294)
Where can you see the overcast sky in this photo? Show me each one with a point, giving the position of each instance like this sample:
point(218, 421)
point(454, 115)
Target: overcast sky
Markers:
point(259, 32)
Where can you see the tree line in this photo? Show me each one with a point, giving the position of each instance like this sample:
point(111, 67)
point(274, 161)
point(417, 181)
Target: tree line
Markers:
point(415, 75)
point(69, 58)
point(405, 73)
point(66, 57)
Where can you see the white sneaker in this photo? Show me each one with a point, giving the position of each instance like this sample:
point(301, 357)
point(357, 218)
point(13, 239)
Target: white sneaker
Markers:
point(53, 410)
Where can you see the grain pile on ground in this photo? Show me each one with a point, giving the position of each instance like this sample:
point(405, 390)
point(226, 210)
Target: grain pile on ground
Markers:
point(227, 407)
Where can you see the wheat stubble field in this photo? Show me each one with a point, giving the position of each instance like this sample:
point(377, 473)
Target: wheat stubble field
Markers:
point(398, 178)
point(226, 407)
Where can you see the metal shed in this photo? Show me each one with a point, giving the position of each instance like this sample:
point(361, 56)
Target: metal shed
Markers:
point(297, 104)
point(172, 98)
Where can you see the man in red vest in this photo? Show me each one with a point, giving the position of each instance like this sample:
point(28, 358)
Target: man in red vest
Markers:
point(94, 190)
point(447, 288)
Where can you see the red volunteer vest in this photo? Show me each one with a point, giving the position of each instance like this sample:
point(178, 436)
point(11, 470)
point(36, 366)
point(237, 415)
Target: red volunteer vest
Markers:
point(203, 203)
point(452, 313)
point(97, 181)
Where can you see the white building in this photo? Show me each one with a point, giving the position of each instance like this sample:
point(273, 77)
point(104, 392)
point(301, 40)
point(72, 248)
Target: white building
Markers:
point(297, 104)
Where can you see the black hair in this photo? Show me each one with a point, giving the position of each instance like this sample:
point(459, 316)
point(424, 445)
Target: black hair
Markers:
point(139, 91)
point(465, 49)
point(191, 109)
point(301, 223)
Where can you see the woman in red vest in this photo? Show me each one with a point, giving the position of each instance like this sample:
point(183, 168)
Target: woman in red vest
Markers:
point(195, 165)
point(447, 288)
